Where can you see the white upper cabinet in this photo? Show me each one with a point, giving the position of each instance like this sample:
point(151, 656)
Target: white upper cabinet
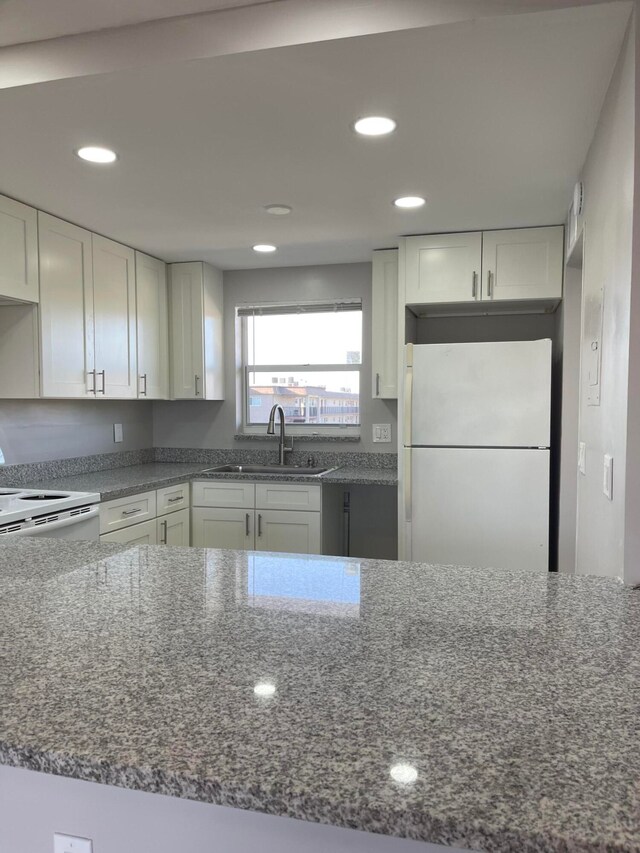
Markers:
point(196, 332)
point(521, 265)
point(153, 328)
point(18, 251)
point(443, 268)
point(524, 263)
point(114, 301)
point(384, 324)
point(66, 309)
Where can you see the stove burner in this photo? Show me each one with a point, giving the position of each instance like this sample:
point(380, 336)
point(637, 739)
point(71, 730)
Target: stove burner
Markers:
point(43, 498)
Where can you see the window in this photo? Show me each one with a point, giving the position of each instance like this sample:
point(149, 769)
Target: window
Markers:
point(306, 358)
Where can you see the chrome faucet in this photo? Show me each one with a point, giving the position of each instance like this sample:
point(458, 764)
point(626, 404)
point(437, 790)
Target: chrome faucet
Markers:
point(271, 430)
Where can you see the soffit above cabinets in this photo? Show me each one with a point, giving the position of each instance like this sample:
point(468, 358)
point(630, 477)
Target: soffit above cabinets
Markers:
point(495, 117)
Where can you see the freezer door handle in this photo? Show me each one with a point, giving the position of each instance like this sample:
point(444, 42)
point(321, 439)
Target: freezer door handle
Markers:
point(408, 404)
point(407, 485)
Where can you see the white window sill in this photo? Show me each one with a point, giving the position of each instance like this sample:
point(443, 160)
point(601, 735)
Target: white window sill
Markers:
point(330, 435)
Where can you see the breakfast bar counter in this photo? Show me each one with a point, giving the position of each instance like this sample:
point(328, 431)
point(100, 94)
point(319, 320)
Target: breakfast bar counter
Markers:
point(493, 711)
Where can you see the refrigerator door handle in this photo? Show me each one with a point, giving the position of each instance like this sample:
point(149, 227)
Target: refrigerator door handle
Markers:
point(407, 485)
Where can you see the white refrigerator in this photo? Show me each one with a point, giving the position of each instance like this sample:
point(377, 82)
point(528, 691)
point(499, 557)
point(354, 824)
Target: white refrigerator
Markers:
point(476, 454)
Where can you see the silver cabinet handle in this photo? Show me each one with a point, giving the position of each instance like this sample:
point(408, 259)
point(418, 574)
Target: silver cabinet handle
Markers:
point(259, 524)
point(175, 500)
point(104, 381)
point(131, 511)
point(474, 285)
point(163, 535)
point(246, 525)
point(489, 284)
point(92, 390)
point(377, 384)
point(196, 379)
point(143, 390)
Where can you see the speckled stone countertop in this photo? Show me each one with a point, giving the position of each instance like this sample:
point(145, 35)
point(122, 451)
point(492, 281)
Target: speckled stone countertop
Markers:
point(130, 480)
point(512, 699)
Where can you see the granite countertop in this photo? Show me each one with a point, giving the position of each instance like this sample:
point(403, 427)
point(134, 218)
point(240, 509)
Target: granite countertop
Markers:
point(132, 479)
point(513, 698)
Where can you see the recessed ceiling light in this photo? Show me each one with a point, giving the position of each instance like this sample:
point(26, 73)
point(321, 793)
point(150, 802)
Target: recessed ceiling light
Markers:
point(374, 126)
point(408, 201)
point(95, 154)
point(264, 247)
point(277, 209)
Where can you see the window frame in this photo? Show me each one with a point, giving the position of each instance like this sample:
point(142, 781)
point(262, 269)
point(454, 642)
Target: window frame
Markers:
point(317, 429)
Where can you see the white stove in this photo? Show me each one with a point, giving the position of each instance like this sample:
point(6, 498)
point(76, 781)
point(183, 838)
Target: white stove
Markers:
point(56, 514)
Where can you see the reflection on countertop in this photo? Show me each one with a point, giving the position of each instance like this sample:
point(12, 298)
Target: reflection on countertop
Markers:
point(491, 710)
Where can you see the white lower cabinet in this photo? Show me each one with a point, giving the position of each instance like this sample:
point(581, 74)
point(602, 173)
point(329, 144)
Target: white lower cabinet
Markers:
point(144, 533)
point(220, 527)
point(159, 517)
point(174, 528)
point(262, 517)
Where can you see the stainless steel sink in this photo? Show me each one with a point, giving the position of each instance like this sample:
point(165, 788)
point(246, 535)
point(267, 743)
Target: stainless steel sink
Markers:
point(276, 470)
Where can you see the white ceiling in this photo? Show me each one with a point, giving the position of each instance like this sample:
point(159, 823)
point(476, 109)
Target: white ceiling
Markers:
point(24, 21)
point(495, 117)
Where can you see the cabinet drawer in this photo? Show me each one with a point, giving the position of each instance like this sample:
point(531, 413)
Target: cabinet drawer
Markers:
point(215, 493)
point(172, 498)
point(136, 534)
point(123, 512)
point(294, 496)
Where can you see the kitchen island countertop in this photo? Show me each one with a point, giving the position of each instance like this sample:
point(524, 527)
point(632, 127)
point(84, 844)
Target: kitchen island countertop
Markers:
point(302, 685)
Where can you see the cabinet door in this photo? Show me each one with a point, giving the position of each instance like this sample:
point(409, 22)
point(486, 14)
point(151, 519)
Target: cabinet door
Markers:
point(223, 528)
point(443, 268)
point(114, 305)
point(384, 332)
point(18, 250)
point(187, 341)
point(174, 528)
point(524, 263)
point(291, 532)
point(153, 328)
point(66, 309)
point(144, 533)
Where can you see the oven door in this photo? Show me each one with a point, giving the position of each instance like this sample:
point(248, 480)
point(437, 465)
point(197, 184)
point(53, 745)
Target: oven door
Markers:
point(67, 525)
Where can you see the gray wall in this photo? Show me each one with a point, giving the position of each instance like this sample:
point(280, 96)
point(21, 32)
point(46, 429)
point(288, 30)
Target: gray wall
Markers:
point(205, 424)
point(608, 177)
point(38, 430)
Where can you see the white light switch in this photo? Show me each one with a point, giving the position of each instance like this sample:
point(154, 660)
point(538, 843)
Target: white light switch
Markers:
point(382, 433)
point(582, 457)
point(607, 483)
point(71, 844)
point(117, 433)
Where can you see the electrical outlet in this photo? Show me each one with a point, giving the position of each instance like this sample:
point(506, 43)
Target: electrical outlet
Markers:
point(71, 844)
point(382, 433)
point(582, 457)
point(607, 482)
point(117, 433)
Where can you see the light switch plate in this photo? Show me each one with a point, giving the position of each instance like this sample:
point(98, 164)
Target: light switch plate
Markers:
point(117, 433)
point(582, 457)
point(71, 844)
point(382, 433)
point(607, 482)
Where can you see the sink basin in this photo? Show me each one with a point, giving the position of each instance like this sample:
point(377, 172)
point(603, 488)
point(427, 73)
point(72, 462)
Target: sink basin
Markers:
point(276, 470)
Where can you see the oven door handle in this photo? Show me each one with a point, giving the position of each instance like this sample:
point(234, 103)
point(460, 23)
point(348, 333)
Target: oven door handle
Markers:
point(41, 529)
